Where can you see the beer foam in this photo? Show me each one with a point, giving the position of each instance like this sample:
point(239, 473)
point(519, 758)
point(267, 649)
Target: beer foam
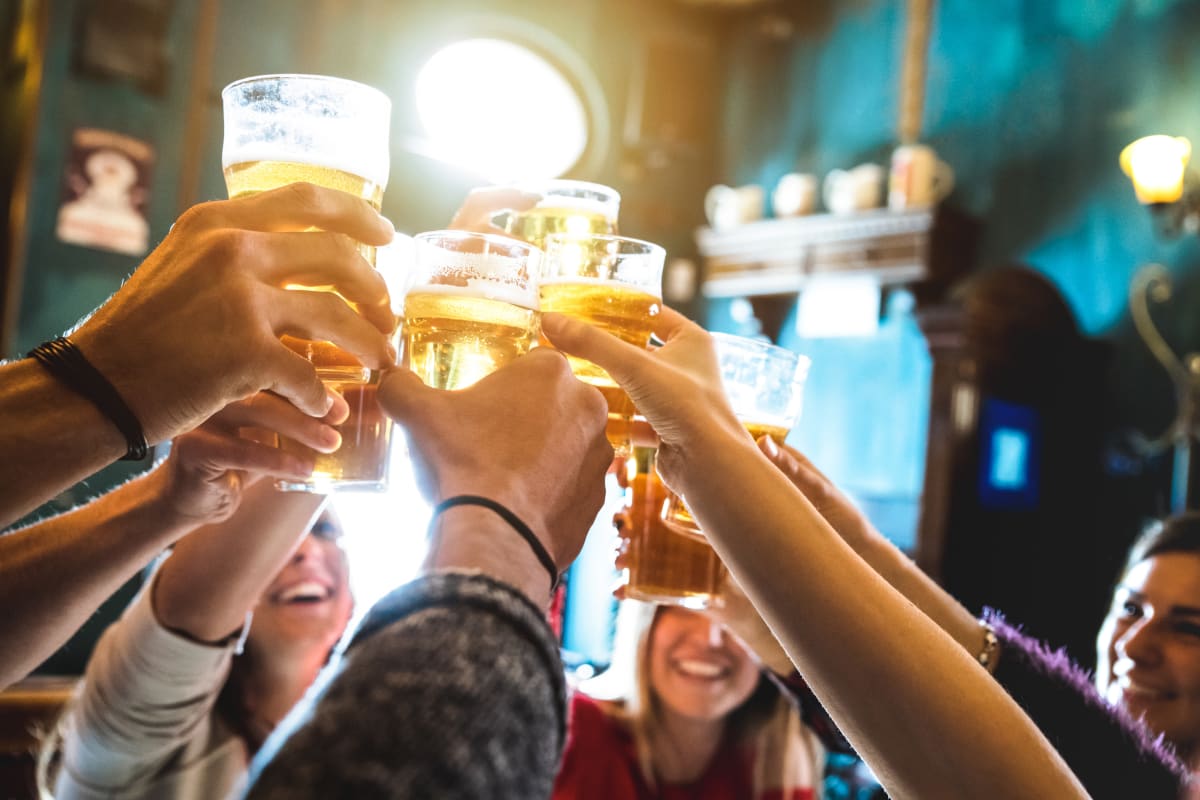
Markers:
point(605, 208)
point(344, 159)
point(591, 280)
point(488, 290)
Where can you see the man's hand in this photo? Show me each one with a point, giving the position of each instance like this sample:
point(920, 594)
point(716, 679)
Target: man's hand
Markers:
point(198, 324)
point(529, 436)
point(203, 478)
point(482, 206)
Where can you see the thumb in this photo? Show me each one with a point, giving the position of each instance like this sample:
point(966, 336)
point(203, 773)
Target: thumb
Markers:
point(623, 361)
point(402, 393)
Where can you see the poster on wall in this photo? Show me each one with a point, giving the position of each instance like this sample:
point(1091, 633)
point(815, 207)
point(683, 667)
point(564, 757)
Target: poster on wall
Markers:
point(105, 192)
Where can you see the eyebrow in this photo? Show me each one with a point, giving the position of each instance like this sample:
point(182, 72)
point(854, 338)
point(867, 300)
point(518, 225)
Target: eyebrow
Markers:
point(1175, 611)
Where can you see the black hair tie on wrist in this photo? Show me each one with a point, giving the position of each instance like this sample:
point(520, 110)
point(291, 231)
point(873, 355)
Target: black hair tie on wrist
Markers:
point(65, 361)
point(512, 519)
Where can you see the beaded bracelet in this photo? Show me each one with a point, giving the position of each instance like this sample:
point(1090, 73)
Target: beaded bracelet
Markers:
point(990, 653)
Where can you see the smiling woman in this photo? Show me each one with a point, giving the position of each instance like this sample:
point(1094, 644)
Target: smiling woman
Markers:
point(1148, 649)
point(685, 710)
point(186, 686)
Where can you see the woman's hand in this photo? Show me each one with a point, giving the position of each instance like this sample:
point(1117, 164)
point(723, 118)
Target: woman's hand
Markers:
point(829, 501)
point(203, 477)
point(677, 387)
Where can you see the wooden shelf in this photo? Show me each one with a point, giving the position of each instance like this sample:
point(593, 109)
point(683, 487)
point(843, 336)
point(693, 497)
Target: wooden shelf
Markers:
point(778, 256)
point(770, 261)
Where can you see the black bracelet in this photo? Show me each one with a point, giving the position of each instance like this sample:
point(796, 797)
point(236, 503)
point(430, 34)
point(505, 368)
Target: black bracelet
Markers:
point(512, 519)
point(64, 361)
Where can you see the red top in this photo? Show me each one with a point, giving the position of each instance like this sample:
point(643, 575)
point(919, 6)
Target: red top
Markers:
point(600, 763)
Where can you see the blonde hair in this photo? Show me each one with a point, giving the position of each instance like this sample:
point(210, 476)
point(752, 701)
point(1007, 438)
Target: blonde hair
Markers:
point(787, 755)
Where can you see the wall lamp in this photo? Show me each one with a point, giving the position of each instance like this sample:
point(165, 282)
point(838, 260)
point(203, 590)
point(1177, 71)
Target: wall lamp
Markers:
point(1157, 165)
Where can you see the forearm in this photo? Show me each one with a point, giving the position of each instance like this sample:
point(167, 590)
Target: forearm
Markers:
point(218, 573)
point(866, 636)
point(451, 688)
point(53, 438)
point(907, 578)
point(57, 572)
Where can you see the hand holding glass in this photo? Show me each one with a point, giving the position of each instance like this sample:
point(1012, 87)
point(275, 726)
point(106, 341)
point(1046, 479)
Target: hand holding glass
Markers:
point(614, 283)
point(282, 129)
point(471, 307)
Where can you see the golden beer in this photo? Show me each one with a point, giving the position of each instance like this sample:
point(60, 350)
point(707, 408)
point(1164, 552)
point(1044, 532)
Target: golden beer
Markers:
point(675, 511)
point(581, 220)
point(624, 311)
point(366, 434)
point(452, 337)
point(249, 177)
point(665, 566)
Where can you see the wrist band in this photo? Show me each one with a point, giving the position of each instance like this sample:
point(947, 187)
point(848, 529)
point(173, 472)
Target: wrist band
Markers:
point(64, 361)
point(991, 648)
point(512, 519)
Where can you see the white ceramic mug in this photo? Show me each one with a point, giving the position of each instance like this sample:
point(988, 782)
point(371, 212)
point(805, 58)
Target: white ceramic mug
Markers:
point(918, 179)
point(856, 189)
point(794, 195)
point(727, 207)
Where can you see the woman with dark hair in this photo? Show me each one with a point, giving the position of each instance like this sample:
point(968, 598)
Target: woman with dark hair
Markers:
point(1148, 649)
point(226, 636)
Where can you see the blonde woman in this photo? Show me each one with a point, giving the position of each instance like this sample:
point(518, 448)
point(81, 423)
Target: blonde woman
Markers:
point(689, 709)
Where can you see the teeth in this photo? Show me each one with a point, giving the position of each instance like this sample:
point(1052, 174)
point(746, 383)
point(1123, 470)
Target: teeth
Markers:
point(306, 590)
point(699, 669)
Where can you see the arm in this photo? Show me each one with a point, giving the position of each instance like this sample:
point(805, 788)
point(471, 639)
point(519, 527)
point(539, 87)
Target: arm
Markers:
point(453, 686)
point(867, 635)
point(196, 327)
point(56, 572)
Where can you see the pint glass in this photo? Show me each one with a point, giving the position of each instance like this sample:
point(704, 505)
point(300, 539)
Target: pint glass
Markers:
point(575, 208)
point(765, 387)
point(614, 283)
point(764, 384)
point(664, 565)
point(471, 307)
point(282, 129)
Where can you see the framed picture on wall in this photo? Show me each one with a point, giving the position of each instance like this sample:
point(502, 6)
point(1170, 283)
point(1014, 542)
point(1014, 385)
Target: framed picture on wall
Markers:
point(125, 40)
point(105, 191)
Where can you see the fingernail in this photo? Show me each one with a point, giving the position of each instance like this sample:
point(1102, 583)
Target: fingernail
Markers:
point(330, 399)
point(331, 439)
point(771, 448)
point(393, 355)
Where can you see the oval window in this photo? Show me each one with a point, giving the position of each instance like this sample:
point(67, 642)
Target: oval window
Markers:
point(502, 110)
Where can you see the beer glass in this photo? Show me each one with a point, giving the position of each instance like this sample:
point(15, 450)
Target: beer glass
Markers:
point(471, 307)
point(614, 283)
point(664, 565)
point(282, 129)
point(671, 562)
point(765, 387)
point(575, 208)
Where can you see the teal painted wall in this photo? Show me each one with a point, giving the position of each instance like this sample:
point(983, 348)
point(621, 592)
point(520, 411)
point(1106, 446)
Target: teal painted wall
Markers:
point(64, 282)
point(1030, 101)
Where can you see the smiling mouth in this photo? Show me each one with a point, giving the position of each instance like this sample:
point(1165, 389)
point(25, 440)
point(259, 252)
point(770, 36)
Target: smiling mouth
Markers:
point(304, 592)
point(1141, 692)
point(703, 670)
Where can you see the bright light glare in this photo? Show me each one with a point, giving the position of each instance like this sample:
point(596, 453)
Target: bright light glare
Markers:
point(500, 110)
point(384, 533)
point(1156, 164)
